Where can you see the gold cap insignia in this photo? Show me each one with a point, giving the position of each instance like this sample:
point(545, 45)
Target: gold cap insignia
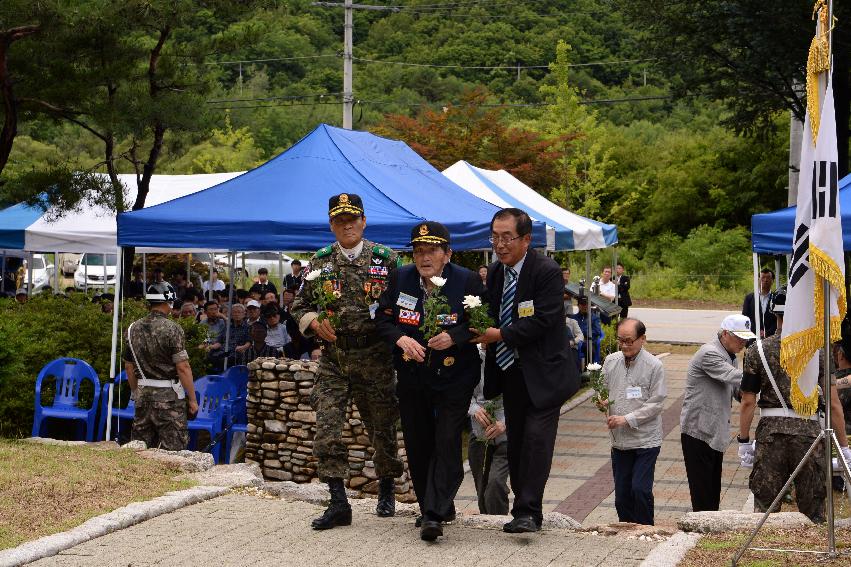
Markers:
point(449, 361)
point(344, 198)
point(423, 230)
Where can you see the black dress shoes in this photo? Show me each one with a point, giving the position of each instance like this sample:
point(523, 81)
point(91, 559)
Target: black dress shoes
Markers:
point(521, 525)
point(450, 518)
point(430, 530)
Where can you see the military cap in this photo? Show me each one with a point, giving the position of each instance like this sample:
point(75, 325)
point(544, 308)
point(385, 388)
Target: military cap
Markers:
point(345, 204)
point(429, 232)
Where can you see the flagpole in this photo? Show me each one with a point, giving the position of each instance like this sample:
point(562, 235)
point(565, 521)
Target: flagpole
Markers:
point(828, 426)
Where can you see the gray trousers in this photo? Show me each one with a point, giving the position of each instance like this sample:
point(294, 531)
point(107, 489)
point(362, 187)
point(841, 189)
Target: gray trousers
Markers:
point(492, 486)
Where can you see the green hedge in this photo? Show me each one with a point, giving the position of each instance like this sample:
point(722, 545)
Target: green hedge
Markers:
point(46, 328)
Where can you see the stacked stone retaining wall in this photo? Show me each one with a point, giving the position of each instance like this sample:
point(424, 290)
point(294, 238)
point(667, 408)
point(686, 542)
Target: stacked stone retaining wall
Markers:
point(282, 425)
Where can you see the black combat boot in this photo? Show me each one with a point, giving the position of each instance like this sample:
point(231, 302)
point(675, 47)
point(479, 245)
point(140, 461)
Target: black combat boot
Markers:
point(386, 506)
point(339, 512)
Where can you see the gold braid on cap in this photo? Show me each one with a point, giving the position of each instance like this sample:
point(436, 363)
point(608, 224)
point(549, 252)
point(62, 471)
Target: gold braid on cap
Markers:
point(818, 61)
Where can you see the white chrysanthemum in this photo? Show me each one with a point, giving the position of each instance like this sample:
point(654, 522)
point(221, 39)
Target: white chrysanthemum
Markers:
point(438, 281)
point(313, 275)
point(471, 301)
point(593, 367)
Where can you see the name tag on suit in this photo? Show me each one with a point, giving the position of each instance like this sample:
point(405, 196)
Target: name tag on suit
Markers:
point(633, 393)
point(525, 309)
point(406, 301)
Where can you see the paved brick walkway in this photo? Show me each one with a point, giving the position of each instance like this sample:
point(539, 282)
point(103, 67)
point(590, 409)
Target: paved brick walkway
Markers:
point(581, 483)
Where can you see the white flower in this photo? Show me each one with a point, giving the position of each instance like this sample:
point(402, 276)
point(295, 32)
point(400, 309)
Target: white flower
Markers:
point(313, 275)
point(337, 294)
point(593, 367)
point(438, 281)
point(471, 301)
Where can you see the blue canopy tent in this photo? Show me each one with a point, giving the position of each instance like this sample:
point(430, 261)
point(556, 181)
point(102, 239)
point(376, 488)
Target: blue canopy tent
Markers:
point(771, 233)
point(283, 204)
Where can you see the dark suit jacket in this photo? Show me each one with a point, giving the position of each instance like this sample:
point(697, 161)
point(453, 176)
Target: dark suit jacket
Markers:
point(546, 359)
point(769, 321)
point(459, 366)
point(624, 300)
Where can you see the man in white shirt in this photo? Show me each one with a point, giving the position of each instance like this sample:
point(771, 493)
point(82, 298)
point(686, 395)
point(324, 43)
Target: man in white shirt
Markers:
point(608, 289)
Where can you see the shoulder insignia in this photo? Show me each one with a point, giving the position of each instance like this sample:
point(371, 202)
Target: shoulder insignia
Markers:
point(322, 252)
point(382, 251)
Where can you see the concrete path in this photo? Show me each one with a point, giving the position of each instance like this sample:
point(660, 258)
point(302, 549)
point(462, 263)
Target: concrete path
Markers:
point(695, 326)
point(248, 528)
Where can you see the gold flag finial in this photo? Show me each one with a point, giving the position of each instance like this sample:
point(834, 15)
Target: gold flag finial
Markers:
point(818, 61)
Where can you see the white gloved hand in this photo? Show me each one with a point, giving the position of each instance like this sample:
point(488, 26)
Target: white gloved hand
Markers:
point(746, 455)
point(846, 453)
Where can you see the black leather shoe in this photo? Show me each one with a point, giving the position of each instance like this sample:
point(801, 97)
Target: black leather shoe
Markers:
point(521, 525)
point(431, 530)
point(419, 521)
point(386, 506)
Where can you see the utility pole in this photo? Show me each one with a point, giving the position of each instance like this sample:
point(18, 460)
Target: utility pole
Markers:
point(348, 28)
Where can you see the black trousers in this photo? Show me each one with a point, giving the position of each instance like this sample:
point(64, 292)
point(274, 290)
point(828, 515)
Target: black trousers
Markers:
point(432, 424)
point(703, 468)
point(531, 433)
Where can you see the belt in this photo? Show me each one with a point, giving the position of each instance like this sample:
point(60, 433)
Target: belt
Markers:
point(156, 383)
point(780, 412)
point(347, 342)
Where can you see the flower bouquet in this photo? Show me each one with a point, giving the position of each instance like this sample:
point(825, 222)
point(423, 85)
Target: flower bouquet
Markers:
point(477, 313)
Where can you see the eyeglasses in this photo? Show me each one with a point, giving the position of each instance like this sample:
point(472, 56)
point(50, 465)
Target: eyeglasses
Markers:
point(496, 240)
point(628, 342)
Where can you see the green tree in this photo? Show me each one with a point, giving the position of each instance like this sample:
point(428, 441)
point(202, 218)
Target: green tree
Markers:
point(227, 150)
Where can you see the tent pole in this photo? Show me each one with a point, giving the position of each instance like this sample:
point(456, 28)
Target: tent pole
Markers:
point(210, 279)
point(756, 302)
point(86, 257)
point(113, 353)
point(281, 273)
point(55, 272)
point(144, 273)
point(231, 256)
point(589, 338)
point(30, 275)
point(104, 272)
point(3, 273)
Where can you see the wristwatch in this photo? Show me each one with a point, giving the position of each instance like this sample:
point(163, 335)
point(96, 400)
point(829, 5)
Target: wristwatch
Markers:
point(745, 440)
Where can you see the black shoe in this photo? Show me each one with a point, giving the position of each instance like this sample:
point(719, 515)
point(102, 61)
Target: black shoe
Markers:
point(431, 530)
point(521, 525)
point(386, 506)
point(450, 518)
point(339, 512)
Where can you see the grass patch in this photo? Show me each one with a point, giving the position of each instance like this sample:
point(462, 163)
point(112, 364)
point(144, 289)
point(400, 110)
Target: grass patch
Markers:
point(718, 549)
point(45, 489)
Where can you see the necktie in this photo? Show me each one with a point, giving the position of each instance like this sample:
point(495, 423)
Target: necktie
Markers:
point(505, 355)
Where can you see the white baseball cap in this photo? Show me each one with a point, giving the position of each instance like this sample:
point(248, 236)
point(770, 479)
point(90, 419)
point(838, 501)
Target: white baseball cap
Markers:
point(739, 325)
point(252, 303)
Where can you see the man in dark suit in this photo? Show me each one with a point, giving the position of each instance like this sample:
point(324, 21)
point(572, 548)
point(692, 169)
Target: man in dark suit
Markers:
point(528, 360)
point(768, 322)
point(436, 375)
point(622, 281)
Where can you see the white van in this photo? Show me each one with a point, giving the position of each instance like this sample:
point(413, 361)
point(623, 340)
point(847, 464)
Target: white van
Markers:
point(90, 272)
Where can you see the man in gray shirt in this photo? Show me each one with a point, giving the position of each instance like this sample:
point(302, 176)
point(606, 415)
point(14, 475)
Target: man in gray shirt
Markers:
point(637, 391)
point(713, 375)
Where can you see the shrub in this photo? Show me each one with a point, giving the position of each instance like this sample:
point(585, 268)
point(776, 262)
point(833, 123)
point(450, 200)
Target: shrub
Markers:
point(46, 328)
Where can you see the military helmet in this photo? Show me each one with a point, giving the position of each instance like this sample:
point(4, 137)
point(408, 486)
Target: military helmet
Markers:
point(777, 301)
point(160, 292)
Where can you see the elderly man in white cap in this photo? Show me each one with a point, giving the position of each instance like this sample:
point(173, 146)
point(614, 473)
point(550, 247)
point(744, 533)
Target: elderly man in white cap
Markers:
point(713, 377)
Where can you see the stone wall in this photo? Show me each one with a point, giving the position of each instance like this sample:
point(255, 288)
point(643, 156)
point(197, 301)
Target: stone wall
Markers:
point(282, 425)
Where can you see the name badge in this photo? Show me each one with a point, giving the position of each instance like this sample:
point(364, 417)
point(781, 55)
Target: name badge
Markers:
point(525, 308)
point(633, 393)
point(406, 301)
point(409, 317)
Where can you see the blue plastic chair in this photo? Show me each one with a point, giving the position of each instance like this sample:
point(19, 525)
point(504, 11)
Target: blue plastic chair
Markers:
point(124, 415)
point(215, 397)
point(69, 375)
point(595, 354)
point(238, 376)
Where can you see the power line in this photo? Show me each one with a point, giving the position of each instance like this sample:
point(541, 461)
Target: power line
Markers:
point(270, 98)
point(239, 62)
point(495, 67)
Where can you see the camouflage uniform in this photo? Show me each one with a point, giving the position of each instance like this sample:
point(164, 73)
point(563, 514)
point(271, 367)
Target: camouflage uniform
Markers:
point(845, 398)
point(161, 418)
point(781, 442)
point(358, 365)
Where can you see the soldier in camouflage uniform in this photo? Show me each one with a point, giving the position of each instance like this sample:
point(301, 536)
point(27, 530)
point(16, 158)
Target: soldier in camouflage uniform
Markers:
point(781, 441)
point(159, 374)
point(337, 303)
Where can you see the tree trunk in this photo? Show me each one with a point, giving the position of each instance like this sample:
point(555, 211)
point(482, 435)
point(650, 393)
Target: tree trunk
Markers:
point(7, 95)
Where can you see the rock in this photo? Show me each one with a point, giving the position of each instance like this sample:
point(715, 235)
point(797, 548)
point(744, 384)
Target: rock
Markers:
point(230, 476)
point(137, 445)
point(726, 520)
point(274, 426)
point(187, 461)
point(279, 475)
point(268, 365)
point(357, 481)
point(304, 416)
point(286, 385)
